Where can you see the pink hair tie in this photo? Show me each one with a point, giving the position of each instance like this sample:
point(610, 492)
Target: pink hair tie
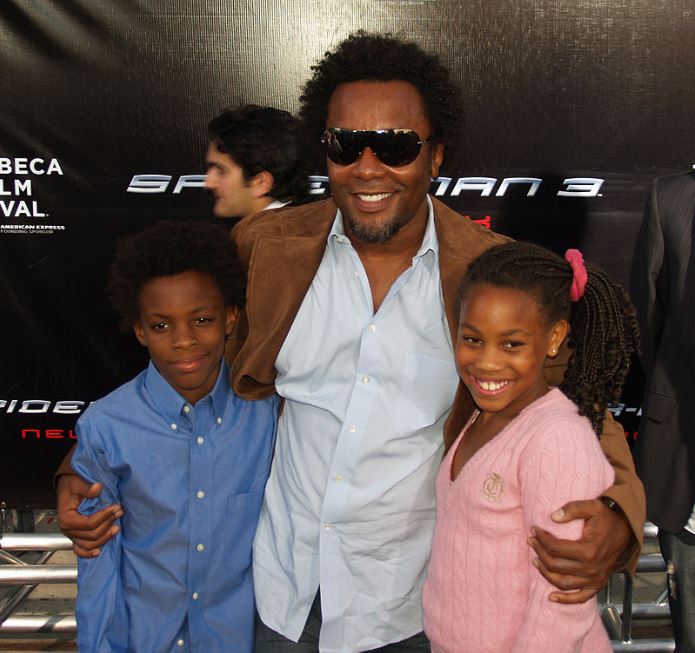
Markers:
point(576, 260)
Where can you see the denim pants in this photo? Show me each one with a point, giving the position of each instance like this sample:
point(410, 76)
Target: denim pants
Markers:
point(268, 641)
point(678, 550)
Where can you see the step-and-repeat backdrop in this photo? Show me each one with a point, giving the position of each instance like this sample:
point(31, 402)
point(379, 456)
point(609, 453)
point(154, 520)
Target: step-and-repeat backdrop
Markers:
point(571, 108)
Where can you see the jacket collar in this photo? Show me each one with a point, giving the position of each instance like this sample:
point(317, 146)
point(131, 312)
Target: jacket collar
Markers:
point(300, 244)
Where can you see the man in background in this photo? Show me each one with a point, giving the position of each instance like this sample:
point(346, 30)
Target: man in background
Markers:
point(254, 161)
point(662, 287)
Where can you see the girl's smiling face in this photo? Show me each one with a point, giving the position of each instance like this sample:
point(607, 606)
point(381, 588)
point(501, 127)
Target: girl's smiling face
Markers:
point(503, 341)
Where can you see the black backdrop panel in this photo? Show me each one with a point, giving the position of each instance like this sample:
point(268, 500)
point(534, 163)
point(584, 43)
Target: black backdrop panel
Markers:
point(570, 109)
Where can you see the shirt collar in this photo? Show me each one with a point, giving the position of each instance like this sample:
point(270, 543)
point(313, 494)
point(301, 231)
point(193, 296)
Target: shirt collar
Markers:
point(275, 204)
point(172, 405)
point(429, 240)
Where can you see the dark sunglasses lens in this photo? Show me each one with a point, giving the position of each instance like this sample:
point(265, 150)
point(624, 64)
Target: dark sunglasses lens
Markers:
point(343, 147)
point(393, 148)
point(396, 148)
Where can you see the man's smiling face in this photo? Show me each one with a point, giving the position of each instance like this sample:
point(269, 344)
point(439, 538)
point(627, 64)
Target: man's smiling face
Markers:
point(377, 200)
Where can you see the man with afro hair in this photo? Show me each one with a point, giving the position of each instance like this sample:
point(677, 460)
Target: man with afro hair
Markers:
point(351, 315)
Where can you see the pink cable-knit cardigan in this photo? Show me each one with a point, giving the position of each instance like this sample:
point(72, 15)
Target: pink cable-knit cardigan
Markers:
point(482, 591)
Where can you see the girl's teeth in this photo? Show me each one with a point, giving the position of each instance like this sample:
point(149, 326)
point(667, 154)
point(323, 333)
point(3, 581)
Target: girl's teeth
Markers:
point(491, 385)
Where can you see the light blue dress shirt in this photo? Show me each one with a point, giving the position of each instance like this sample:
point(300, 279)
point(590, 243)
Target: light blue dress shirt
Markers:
point(190, 480)
point(349, 505)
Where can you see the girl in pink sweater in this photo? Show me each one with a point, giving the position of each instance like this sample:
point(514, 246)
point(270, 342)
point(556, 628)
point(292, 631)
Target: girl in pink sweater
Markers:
point(527, 449)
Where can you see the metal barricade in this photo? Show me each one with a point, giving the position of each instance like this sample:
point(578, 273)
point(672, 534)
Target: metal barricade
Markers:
point(618, 617)
point(25, 577)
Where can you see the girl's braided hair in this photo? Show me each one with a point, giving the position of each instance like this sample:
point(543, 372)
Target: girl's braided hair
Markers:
point(603, 329)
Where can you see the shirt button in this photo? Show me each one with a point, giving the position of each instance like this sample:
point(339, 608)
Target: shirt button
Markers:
point(352, 428)
point(186, 409)
point(365, 379)
point(338, 477)
point(328, 526)
point(173, 427)
point(200, 548)
point(372, 328)
point(200, 439)
point(180, 643)
point(219, 420)
point(200, 494)
point(196, 596)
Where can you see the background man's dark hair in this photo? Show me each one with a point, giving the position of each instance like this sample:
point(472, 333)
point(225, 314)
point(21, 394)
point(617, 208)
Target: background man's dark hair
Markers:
point(169, 248)
point(382, 57)
point(263, 138)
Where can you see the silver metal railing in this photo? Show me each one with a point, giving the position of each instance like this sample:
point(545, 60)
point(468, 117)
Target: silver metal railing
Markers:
point(618, 616)
point(26, 577)
point(34, 542)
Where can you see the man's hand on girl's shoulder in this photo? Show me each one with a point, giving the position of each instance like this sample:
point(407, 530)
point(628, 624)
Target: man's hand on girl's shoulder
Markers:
point(580, 568)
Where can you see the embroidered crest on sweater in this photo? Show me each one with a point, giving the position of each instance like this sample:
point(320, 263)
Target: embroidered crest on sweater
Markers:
point(493, 487)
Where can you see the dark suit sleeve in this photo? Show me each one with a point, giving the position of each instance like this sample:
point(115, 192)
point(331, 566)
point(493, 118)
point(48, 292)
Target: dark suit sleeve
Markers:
point(649, 280)
point(649, 294)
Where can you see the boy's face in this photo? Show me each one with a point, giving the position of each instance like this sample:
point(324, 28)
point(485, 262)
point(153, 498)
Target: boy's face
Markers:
point(183, 323)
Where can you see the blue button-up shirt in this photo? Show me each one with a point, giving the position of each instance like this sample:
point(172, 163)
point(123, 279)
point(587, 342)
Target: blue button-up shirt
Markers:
point(190, 479)
point(349, 505)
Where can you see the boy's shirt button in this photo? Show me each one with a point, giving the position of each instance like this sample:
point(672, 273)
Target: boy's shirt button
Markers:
point(196, 596)
point(200, 439)
point(219, 420)
point(173, 427)
point(200, 494)
point(200, 548)
point(180, 643)
point(186, 409)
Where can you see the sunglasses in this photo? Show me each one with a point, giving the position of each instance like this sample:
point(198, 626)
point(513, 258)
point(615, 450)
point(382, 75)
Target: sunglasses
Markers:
point(393, 147)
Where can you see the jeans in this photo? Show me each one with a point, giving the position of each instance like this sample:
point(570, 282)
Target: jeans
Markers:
point(268, 641)
point(678, 550)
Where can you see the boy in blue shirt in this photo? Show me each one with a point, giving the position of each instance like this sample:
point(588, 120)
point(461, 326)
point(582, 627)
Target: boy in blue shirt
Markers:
point(184, 456)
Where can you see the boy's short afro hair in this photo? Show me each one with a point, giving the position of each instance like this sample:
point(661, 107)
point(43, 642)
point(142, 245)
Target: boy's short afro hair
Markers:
point(169, 248)
point(382, 57)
